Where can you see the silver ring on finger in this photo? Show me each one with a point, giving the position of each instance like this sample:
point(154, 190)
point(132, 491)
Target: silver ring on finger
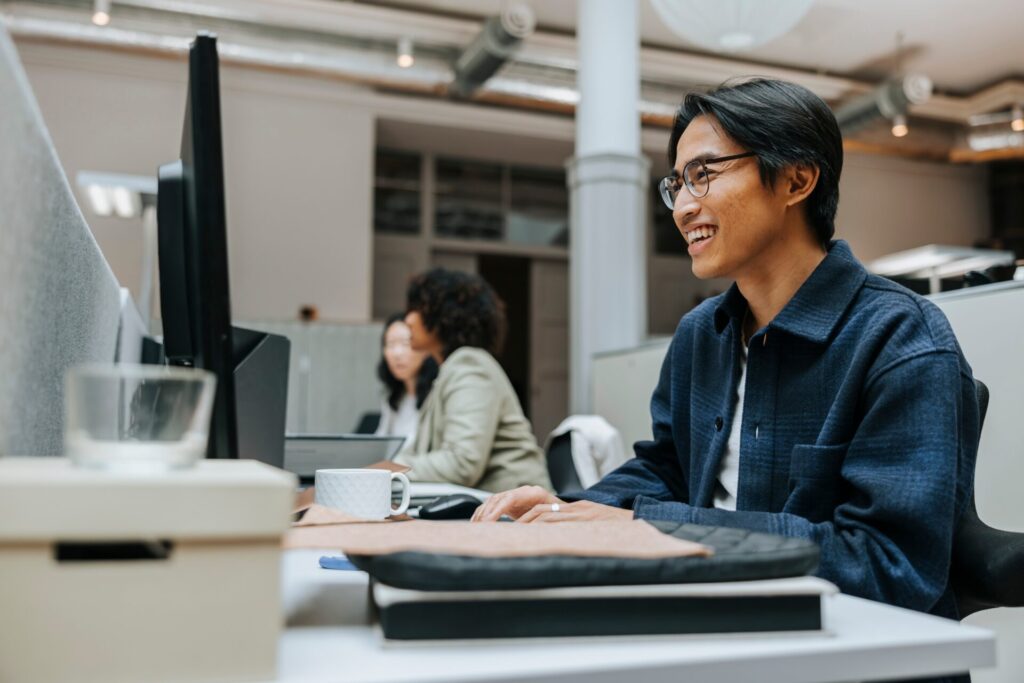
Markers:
point(555, 507)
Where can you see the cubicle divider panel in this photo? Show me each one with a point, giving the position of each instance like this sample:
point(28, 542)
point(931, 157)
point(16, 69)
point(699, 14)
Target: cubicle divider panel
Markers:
point(59, 299)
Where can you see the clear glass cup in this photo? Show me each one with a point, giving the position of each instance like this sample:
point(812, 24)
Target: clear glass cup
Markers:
point(137, 417)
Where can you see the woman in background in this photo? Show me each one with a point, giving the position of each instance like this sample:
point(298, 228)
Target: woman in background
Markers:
point(407, 376)
point(472, 430)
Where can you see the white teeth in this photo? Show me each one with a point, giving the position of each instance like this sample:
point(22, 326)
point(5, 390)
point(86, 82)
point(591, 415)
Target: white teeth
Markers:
point(698, 233)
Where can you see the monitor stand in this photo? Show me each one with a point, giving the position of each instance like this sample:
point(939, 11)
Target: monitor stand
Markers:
point(261, 394)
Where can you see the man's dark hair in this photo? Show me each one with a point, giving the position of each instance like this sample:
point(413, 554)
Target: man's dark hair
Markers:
point(461, 309)
point(396, 387)
point(784, 124)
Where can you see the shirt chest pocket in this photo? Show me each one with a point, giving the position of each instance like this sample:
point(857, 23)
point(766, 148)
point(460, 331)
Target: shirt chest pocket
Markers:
point(816, 486)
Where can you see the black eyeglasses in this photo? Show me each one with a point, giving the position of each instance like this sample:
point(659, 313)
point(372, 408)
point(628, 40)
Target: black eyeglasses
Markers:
point(696, 178)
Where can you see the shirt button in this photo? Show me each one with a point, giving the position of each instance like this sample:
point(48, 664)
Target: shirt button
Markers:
point(718, 424)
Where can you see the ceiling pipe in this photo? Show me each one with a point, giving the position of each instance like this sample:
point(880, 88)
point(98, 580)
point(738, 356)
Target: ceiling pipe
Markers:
point(498, 41)
point(543, 49)
point(541, 76)
point(889, 100)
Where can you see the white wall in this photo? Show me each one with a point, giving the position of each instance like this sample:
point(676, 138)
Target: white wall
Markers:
point(623, 384)
point(298, 166)
point(888, 204)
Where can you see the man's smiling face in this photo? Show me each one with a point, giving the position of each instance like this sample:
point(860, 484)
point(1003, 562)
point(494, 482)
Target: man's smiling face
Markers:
point(728, 229)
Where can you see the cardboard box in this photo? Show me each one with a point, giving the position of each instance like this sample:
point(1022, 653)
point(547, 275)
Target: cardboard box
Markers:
point(121, 577)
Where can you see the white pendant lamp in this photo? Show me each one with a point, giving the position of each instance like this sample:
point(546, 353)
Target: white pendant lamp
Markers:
point(730, 25)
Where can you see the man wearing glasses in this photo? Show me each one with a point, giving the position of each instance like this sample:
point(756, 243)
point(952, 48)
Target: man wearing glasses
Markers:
point(811, 399)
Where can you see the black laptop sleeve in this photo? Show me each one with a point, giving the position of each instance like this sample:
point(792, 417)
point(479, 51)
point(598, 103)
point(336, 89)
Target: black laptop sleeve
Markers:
point(739, 555)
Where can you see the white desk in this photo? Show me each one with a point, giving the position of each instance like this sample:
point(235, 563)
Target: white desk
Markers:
point(330, 639)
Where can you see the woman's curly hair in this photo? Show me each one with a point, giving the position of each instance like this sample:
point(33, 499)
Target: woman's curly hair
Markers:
point(460, 308)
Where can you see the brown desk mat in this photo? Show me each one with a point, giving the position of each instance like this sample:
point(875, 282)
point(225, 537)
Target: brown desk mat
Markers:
point(315, 514)
point(634, 539)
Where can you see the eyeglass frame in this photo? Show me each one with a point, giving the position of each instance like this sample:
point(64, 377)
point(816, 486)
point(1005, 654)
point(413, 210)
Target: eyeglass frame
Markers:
point(667, 194)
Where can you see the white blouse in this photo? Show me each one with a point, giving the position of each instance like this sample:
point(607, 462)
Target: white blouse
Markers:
point(401, 422)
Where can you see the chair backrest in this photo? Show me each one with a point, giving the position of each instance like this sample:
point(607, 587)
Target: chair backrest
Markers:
point(987, 563)
point(368, 423)
point(592, 444)
point(561, 467)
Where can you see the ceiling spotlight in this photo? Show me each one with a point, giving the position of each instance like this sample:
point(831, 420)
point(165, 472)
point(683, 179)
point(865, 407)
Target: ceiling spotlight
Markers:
point(101, 12)
point(405, 58)
point(899, 126)
point(1017, 118)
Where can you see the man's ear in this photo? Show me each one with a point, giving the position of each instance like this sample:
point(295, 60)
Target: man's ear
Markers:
point(798, 181)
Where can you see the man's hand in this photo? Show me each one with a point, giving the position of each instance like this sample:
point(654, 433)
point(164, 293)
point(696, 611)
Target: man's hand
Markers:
point(514, 503)
point(534, 504)
point(581, 511)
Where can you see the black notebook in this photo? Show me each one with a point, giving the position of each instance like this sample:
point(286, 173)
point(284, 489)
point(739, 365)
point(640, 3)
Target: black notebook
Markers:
point(773, 605)
point(753, 582)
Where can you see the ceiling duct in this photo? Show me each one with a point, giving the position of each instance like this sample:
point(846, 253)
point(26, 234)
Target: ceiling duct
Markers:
point(497, 42)
point(887, 101)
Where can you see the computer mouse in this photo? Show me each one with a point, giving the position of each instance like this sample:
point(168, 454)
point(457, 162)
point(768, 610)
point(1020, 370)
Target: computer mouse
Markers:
point(454, 506)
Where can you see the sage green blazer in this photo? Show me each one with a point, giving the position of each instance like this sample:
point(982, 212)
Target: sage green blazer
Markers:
point(472, 430)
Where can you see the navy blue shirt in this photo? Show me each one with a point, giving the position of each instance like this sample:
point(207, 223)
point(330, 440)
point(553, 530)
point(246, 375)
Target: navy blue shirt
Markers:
point(859, 431)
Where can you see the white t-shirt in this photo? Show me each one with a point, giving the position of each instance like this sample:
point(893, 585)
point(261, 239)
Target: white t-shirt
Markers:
point(401, 422)
point(729, 471)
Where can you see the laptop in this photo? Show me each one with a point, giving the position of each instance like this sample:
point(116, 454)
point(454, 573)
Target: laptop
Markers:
point(304, 454)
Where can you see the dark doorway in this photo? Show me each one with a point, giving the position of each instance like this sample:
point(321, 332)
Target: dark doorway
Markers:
point(510, 277)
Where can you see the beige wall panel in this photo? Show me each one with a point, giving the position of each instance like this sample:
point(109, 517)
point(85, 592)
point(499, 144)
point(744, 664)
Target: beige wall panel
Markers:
point(298, 166)
point(888, 204)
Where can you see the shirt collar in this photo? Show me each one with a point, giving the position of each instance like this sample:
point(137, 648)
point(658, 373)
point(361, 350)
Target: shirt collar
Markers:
point(821, 300)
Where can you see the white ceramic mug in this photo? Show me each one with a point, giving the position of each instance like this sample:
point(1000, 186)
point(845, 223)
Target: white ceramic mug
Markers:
point(363, 493)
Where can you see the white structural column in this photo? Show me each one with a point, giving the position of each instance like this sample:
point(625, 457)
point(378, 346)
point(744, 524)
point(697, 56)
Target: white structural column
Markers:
point(608, 181)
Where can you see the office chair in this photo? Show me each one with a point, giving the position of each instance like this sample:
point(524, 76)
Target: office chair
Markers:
point(368, 423)
point(988, 564)
point(561, 467)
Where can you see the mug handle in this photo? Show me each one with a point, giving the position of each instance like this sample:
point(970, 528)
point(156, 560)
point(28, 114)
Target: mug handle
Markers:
point(404, 505)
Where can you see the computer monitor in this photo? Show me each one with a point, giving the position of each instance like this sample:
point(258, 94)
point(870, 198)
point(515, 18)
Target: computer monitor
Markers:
point(251, 367)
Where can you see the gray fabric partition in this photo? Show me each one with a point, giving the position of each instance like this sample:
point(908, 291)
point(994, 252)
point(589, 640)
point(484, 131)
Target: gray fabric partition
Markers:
point(59, 302)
